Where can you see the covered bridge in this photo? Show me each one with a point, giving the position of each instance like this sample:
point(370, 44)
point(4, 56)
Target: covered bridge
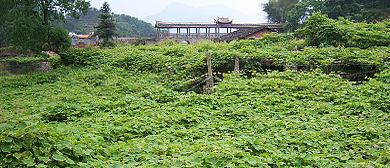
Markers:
point(206, 30)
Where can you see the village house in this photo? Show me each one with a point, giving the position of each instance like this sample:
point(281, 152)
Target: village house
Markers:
point(81, 41)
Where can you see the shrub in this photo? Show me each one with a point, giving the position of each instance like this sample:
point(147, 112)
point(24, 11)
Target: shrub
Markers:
point(139, 42)
point(56, 62)
point(320, 29)
point(107, 43)
point(58, 39)
point(80, 56)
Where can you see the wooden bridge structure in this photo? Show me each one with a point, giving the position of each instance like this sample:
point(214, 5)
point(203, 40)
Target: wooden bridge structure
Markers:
point(198, 30)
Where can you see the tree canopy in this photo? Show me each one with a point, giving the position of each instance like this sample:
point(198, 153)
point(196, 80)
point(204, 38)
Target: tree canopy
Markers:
point(56, 9)
point(294, 13)
point(321, 30)
point(277, 9)
point(28, 23)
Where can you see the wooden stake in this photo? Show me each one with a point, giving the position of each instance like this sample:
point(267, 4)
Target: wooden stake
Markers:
point(237, 64)
point(210, 82)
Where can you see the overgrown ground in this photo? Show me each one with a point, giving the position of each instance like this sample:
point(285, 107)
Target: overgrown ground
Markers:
point(128, 107)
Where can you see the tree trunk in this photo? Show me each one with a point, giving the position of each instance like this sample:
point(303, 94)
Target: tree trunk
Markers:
point(45, 14)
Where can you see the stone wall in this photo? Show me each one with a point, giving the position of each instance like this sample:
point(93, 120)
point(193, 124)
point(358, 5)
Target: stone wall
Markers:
point(82, 42)
point(125, 40)
point(129, 40)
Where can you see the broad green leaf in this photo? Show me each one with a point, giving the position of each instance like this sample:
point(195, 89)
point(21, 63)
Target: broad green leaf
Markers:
point(154, 160)
point(252, 161)
point(8, 139)
point(29, 161)
point(116, 165)
point(196, 161)
point(18, 145)
point(19, 133)
point(69, 161)
point(41, 165)
point(212, 160)
point(58, 157)
point(6, 147)
point(13, 164)
point(3, 126)
point(78, 151)
point(27, 154)
point(21, 125)
point(87, 151)
point(360, 160)
point(17, 155)
point(44, 159)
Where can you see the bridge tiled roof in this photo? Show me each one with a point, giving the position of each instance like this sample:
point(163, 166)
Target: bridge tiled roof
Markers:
point(242, 34)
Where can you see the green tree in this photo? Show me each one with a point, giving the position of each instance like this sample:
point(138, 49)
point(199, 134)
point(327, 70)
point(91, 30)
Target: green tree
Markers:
point(296, 17)
point(5, 9)
point(320, 29)
point(294, 13)
point(83, 25)
point(358, 10)
point(55, 9)
point(277, 9)
point(30, 20)
point(343, 8)
point(301, 11)
point(106, 27)
point(29, 33)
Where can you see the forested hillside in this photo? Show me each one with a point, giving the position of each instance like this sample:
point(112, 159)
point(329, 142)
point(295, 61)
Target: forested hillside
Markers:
point(126, 25)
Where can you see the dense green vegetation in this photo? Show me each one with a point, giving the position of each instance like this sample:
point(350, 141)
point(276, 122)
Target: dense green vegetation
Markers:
point(293, 12)
point(134, 107)
point(127, 26)
point(322, 30)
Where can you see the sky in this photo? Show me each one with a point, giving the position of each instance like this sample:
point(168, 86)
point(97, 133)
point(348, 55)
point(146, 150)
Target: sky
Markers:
point(143, 8)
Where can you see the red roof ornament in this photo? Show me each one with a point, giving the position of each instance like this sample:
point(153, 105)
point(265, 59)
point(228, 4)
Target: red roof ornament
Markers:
point(223, 20)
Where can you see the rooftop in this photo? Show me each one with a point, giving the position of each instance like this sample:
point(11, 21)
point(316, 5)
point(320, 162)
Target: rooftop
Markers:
point(242, 33)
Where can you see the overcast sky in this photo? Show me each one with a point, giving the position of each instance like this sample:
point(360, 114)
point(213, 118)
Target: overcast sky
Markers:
point(143, 8)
